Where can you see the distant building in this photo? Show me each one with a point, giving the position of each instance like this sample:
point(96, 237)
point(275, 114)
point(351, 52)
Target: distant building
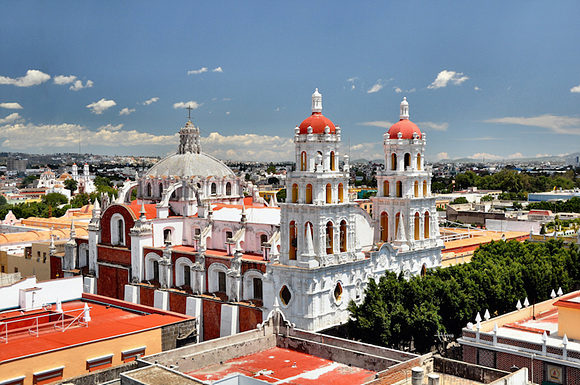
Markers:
point(17, 165)
point(553, 195)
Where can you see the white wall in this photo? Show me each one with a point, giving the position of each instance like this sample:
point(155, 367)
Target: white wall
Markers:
point(64, 289)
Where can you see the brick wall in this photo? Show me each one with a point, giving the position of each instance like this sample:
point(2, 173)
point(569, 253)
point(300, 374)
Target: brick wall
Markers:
point(505, 361)
point(486, 358)
point(253, 266)
point(147, 295)
point(572, 375)
point(116, 255)
point(397, 373)
point(112, 281)
point(249, 318)
point(177, 302)
point(469, 354)
point(212, 312)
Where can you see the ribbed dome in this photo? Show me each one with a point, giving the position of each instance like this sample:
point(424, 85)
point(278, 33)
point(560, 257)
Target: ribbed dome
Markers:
point(190, 165)
point(404, 126)
point(318, 123)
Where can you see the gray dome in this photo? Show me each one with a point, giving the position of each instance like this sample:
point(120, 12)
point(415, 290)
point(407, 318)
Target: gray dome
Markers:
point(190, 165)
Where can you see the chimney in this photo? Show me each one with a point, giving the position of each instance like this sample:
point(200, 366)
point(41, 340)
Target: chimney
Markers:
point(417, 375)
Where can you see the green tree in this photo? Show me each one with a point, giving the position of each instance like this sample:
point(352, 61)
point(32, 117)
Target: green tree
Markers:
point(79, 200)
point(487, 198)
point(27, 181)
point(459, 201)
point(281, 195)
point(71, 185)
point(54, 199)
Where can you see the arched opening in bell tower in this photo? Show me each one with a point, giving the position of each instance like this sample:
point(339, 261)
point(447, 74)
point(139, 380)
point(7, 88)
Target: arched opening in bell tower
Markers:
point(308, 194)
point(328, 193)
point(416, 187)
point(343, 236)
point(407, 161)
point(427, 231)
point(303, 159)
point(393, 161)
point(399, 189)
point(386, 188)
point(294, 193)
point(293, 241)
point(329, 238)
point(332, 161)
point(340, 193)
point(419, 161)
point(424, 188)
point(417, 229)
point(384, 227)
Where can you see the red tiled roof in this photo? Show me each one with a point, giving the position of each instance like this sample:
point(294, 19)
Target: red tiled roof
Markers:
point(318, 122)
point(150, 209)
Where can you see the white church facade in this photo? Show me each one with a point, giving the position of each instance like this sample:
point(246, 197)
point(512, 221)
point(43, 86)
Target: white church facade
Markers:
point(200, 240)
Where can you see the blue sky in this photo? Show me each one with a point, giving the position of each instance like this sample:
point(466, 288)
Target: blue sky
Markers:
point(490, 79)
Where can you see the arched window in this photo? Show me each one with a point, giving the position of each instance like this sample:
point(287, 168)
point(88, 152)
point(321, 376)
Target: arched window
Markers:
point(213, 189)
point(418, 161)
point(427, 231)
point(329, 238)
point(303, 161)
point(155, 271)
point(117, 229)
point(340, 193)
point(257, 288)
point(160, 186)
point(186, 275)
point(222, 281)
point(294, 193)
point(228, 188)
point(423, 270)
point(148, 189)
point(424, 188)
point(393, 161)
point(397, 219)
point(328, 193)
point(407, 161)
point(384, 227)
point(416, 185)
point(417, 229)
point(399, 189)
point(152, 267)
point(343, 236)
point(332, 161)
point(306, 226)
point(308, 194)
point(386, 188)
point(293, 241)
point(263, 239)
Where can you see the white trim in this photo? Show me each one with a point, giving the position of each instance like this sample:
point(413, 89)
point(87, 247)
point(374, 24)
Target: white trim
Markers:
point(213, 278)
point(179, 276)
point(149, 258)
point(12, 380)
point(101, 358)
point(114, 227)
point(248, 284)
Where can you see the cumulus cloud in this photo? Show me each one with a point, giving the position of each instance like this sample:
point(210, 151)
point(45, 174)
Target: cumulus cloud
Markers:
point(445, 77)
point(218, 69)
point(575, 90)
point(351, 81)
point(376, 88)
point(434, 126)
point(126, 111)
point(11, 106)
point(263, 148)
point(32, 78)
point(78, 85)
point(61, 79)
point(110, 127)
point(484, 155)
point(12, 118)
point(101, 106)
point(477, 88)
point(197, 72)
point(19, 136)
point(150, 101)
point(442, 155)
point(558, 124)
point(399, 90)
point(369, 151)
point(376, 123)
point(193, 104)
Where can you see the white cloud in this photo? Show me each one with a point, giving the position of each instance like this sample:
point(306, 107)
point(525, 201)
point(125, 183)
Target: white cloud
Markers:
point(126, 111)
point(150, 101)
point(218, 69)
point(445, 77)
point(376, 88)
point(193, 104)
point(376, 123)
point(197, 72)
point(101, 106)
point(558, 124)
point(78, 85)
point(262, 148)
point(61, 79)
point(228, 112)
point(32, 78)
point(351, 81)
point(541, 155)
point(368, 151)
point(110, 127)
point(575, 90)
point(11, 106)
point(12, 118)
point(486, 156)
point(435, 126)
point(399, 90)
point(442, 155)
point(65, 136)
point(477, 88)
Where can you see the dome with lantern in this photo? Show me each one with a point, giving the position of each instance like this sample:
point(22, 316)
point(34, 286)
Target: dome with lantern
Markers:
point(404, 125)
point(317, 121)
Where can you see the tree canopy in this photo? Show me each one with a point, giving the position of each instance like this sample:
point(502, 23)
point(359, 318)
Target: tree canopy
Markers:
point(402, 313)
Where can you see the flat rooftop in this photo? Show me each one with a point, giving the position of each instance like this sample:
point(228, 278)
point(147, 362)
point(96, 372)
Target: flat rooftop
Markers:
point(280, 365)
point(108, 320)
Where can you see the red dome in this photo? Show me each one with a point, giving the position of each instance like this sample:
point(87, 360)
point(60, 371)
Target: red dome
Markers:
point(406, 127)
point(318, 123)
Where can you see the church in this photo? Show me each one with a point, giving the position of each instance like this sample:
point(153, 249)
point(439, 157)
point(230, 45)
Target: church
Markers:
point(199, 239)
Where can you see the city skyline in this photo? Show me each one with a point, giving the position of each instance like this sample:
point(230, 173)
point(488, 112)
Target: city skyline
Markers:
point(483, 80)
